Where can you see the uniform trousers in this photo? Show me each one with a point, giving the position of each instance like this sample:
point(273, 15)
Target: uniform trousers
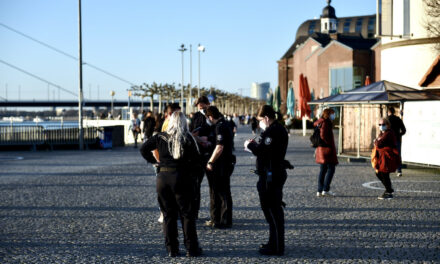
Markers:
point(219, 180)
point(176, 195)
point(271, 197)
point(199, 173)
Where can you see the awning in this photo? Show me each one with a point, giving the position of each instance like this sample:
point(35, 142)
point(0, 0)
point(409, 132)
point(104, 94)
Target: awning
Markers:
point(378, 93)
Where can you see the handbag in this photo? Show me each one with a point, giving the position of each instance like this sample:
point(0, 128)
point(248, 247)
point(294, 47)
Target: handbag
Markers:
point(315, 138)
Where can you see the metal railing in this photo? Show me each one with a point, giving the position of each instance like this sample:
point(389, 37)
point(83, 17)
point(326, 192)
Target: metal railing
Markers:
point(50, 135)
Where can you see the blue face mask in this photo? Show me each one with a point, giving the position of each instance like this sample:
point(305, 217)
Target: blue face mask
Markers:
point(383, 127)
point(332, 117)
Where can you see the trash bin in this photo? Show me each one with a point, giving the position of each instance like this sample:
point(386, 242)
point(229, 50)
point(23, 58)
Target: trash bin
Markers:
point(105, 137)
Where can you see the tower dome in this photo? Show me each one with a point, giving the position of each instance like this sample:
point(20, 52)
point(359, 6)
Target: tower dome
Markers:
point(328, 11)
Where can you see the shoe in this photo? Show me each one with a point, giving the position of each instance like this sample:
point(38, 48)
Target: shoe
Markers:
point(160, 219)
point(194, 252)
point(270, 251)
point(209, 223)
point(385, 196)
point(329, 193)
point(399, 174)
point(173, 254)
point(318, 194)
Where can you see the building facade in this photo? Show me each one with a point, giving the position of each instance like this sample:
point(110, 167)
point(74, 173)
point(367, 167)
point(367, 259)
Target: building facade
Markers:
point(260, 91)
point(333, 53)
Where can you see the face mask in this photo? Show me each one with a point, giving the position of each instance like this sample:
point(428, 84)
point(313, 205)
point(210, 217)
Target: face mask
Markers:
point(383, 127)
point(332, 117)
point(202, 111)
point(262, 125)
point(229, 118)
point(208, 122)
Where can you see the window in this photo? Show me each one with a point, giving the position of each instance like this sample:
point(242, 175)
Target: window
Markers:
point(341, 80)
point(371, 26)
point(406, 24)
point(325, 25)
point(312, 27)
point(347, 25)
point(358, 28)
point(385, 18)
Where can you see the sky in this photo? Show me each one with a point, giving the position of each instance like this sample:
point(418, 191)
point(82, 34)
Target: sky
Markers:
point(138, 41)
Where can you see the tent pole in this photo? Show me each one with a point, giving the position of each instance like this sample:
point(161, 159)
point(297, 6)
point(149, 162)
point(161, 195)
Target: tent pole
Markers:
point(340, 130)
point(359, 133)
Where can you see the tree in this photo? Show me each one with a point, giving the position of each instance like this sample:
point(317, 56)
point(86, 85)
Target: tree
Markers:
point(432, 22)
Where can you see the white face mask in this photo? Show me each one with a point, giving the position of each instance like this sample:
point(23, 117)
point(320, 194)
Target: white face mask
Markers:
point(208, 122)
point(262, 125)
point(383, 127)
point(202, 111)
point(332, 117)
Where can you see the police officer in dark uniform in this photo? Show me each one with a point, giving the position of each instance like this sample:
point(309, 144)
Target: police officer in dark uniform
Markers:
point(219, 170)
point(270, 152)
point(204, 134)
point(177, 156)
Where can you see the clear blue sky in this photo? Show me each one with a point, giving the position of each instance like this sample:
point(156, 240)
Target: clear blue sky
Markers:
point(138, 41)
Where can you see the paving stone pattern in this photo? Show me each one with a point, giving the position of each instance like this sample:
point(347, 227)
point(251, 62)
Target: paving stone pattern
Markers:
point(101, 207)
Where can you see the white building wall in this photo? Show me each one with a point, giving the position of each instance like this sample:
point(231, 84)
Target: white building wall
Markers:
point(407, 65)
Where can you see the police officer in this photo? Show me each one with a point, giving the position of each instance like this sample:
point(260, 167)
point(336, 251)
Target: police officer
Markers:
point(178, 154)
point(219, 170)
point(270, 152)
point(204, 135)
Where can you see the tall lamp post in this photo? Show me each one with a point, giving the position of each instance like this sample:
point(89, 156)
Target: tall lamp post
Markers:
point(112, 93)
point(189, 109)
point(80, 94)
point(182, 49)
point(200, 48)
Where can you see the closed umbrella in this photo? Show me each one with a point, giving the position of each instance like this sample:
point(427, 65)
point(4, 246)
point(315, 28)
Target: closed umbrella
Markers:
point(304, 96)
point(276, 102)
point(290, 102)
point(367, 80)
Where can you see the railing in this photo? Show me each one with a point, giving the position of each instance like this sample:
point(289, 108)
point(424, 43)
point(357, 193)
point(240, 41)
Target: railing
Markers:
point(51, 135)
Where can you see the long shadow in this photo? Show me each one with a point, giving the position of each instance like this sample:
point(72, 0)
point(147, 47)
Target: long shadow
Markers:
point(78, 208)
point(21, 186)
point(77, 174)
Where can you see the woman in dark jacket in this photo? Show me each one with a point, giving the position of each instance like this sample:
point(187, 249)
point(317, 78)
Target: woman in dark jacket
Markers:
point(178, 157)
point(387, 157)
point(325, 154)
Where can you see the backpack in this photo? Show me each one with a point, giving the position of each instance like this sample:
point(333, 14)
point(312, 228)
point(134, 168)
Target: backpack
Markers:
point(315, 138)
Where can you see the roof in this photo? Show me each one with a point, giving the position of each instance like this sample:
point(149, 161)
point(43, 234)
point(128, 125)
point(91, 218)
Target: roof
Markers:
point(432, 74)
point(328, 12)
point(352, 40)
point(378, 92)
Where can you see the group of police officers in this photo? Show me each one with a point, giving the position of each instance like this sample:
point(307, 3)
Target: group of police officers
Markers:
point(212, 136)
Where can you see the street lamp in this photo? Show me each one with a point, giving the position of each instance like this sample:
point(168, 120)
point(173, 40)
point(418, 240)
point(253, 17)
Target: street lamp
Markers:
point(200, 48)
point(112, 93)
point(182, 49)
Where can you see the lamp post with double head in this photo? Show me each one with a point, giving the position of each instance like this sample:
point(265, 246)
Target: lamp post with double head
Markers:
point(200, 48)
point(182, 49)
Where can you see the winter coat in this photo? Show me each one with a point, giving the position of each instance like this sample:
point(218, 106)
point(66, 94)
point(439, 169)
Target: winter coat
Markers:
point(326, 154)
point(387, 157)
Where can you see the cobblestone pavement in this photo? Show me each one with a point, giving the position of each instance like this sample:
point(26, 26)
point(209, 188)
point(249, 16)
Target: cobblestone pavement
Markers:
point(100, 206)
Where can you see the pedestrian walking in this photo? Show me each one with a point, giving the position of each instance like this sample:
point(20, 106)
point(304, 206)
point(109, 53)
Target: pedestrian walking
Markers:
point(385, 157)
point(149, 124)
point(219, 170)
point(325, 153)
point(178, 155)
point(203, 133)
point(135, 127)
point(399, 130)
point(270, 152)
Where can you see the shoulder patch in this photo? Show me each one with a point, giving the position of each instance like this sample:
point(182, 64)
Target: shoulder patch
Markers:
point(219, 137)
point(268, 140)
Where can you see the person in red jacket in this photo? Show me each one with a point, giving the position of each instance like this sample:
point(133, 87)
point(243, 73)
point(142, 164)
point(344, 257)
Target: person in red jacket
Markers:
point(325, 154)
point(388, 156)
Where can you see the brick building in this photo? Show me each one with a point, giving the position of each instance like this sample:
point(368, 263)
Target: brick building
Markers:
point(333, 53)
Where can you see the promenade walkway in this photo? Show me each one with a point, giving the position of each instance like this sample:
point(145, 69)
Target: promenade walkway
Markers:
point(100, 206)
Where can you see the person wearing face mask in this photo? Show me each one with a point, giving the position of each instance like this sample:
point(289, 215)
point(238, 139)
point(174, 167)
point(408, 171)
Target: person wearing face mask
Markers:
point(202, 131)
point(325, 154)
point(270, 152)
point(387, 157)
point(219, 170)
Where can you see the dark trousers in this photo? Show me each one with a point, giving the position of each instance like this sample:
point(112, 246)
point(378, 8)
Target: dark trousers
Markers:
point(384, 177)
point(176, 195)
point(219, 180)
point(271, 196)
point(199, 173)
point(399, 148)
point(325, 177)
